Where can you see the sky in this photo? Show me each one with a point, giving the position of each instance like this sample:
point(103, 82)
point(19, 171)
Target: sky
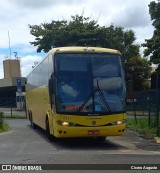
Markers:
point(15, 15)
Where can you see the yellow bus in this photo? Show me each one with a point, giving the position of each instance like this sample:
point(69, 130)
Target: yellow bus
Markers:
point(78, 92)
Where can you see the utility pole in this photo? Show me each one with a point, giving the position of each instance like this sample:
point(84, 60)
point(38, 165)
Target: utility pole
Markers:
point(9, 45)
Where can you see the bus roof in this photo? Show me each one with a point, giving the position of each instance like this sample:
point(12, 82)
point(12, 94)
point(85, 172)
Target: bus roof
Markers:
point(77, 49)
point(83, 49)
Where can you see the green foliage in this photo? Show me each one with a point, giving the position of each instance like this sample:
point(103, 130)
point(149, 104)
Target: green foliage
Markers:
point(153, 45)
point(82, 31)
point(1, 119)
point(138, 70)
point(4, 128)
point(3, 125)
point(142, 127)
point(16, 116)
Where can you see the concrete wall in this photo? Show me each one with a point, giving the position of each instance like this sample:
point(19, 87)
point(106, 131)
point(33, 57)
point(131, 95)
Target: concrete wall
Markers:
point(11, 68)
point(5, 82)
point(11, 81)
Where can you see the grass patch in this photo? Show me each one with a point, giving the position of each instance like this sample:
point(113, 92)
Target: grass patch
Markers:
point(142, 127)
point(15, 116)
point(4, 127)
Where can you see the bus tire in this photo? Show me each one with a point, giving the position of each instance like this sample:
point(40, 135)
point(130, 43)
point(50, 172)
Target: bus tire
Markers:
point(28, 115)
point(101, 138)
point(49, 136)
point(33, 125)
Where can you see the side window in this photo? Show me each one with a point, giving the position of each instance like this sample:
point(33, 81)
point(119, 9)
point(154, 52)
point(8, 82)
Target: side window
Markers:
point(43, 72)
point(50, 65)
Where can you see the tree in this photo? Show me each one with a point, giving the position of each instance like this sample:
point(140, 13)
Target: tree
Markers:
point(138, 72)
point(48, 35)
point(153, 45)
point(82, 31)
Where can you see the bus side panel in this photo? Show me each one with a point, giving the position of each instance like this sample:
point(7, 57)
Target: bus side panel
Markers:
point(39, 104)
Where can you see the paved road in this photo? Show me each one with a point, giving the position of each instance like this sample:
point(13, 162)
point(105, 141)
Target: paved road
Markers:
point(23, 145)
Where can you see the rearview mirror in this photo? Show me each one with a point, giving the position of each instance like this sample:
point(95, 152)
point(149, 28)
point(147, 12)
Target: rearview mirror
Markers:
point(111, 83)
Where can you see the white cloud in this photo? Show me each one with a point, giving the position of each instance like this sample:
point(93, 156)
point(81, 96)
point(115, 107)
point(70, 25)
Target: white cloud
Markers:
point(15, 15)
point(42, 3)
point(27, 64)
point(128, 13)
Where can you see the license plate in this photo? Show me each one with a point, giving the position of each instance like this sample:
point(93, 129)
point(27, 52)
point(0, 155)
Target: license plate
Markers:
point(93, 132)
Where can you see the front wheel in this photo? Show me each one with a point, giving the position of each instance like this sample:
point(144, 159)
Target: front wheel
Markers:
point(49, 136)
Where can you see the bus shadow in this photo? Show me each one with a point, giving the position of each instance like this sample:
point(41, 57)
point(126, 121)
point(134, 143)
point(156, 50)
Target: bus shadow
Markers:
point(79, 143)
point(87, 143)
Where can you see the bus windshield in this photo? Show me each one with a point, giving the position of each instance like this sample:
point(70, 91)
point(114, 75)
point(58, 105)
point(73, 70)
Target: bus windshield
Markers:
point(89, 83)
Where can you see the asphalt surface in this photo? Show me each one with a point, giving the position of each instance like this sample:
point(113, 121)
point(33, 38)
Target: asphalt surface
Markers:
point(138, 141)
point(24, 145)
point(21, 131)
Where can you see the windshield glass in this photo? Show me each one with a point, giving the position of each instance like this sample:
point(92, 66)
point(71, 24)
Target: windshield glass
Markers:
point(89, 83)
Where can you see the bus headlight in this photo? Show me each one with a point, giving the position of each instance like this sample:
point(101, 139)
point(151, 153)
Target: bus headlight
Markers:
point(64, 123)
point(119, 122)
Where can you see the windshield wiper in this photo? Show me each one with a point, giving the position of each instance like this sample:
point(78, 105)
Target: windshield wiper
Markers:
point(103, 98)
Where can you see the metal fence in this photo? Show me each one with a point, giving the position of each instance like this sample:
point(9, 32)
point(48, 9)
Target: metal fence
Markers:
point(145, 105)
point(8, 102)
point(9, 108)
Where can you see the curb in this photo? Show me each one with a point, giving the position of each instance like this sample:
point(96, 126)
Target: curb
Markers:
point(157, 139)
